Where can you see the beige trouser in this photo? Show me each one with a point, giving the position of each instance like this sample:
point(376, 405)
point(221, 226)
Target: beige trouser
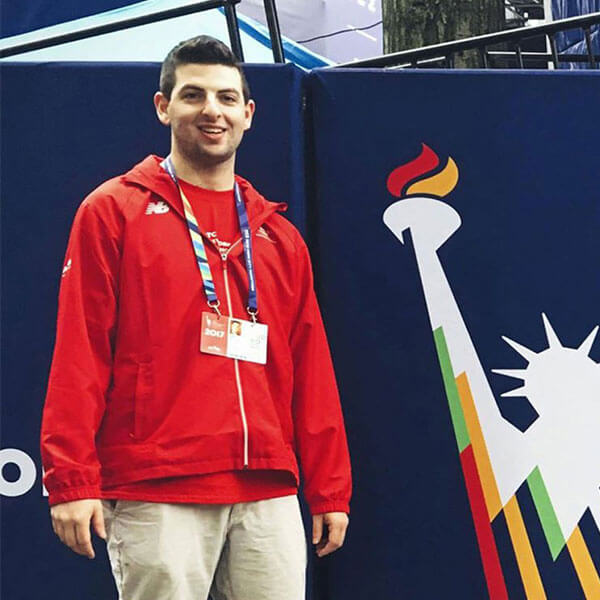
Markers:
point(245, 551)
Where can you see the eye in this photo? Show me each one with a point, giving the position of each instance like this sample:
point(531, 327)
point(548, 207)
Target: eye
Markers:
point(229, 98)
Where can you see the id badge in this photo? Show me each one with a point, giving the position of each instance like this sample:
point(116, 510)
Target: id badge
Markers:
point(234, 338)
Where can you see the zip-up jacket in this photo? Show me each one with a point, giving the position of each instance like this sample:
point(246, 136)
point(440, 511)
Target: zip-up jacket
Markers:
point(131, 397)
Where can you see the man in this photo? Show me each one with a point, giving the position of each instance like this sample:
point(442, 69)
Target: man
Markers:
point(185, 448)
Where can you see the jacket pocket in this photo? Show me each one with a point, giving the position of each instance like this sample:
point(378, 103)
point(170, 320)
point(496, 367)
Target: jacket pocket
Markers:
point(144, 386)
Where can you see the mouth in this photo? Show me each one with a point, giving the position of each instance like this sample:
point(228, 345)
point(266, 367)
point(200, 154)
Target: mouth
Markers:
point(212, 132)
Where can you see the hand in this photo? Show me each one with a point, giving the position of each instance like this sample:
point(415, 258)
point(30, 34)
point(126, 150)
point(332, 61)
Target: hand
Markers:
point(336, 524)
point(71, 523)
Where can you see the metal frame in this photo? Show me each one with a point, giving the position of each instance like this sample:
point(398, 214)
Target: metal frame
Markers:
point(228, 7)
point(444, 53)
point(274, 31)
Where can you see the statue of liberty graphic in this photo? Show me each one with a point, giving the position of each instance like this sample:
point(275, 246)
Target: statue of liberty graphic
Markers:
point(558, 456)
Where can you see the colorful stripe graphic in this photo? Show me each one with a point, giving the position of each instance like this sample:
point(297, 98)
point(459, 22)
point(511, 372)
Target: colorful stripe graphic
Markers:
point(482, 458)
point(456, 414)
point(483, 529)
point(486, 504)
point(584, 566)
point(528, 569)
point(530, 574)
point(545, 510)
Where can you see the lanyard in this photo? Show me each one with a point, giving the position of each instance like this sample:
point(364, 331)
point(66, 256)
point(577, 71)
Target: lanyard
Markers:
point(200, 250)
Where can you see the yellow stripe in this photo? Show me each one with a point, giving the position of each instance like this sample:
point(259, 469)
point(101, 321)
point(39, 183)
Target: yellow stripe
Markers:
point(195, 236)
point(584, 566)
point(482, 458)
point(534, 588)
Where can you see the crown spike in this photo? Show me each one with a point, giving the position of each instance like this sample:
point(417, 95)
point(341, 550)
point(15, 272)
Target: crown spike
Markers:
point(553, 341)
point(517, 392)
point(526, 353)
point(516, 373)
point(587, 344)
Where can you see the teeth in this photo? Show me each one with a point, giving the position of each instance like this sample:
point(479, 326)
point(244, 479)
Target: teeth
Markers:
point(212, 130)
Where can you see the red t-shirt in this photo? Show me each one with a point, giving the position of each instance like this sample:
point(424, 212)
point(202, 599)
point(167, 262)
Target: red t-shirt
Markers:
point(217, 216)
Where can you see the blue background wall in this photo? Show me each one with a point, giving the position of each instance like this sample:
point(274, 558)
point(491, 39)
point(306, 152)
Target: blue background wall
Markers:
point(65, 129)
point(528, 244)
point(41, 13)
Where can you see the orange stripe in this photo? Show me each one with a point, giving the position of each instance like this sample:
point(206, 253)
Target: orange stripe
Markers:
point(584, 566)
point(534, 588)
point(482, 458)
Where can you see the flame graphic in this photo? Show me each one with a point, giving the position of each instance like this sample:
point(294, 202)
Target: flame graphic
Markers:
point(439, 185)
point(400, 176)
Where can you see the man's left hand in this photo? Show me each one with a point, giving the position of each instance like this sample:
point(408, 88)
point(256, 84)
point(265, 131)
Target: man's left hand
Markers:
point(329, 531)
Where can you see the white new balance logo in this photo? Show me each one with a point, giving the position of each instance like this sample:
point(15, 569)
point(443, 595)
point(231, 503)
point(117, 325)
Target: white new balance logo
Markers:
point(262, 232)
point(66, 268)
point(157, 208)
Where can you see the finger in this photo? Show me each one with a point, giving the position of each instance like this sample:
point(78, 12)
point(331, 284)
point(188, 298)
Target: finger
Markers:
point(98, 522)
point(335, 539)
point(337, 533)
point(328, 548)
point(317, 528)
point(69, 537)
point(84, 539)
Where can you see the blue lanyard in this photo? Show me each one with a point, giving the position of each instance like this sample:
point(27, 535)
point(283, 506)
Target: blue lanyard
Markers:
point(200, 250)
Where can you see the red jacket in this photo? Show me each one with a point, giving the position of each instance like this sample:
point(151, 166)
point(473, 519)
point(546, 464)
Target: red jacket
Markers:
point(130, 396)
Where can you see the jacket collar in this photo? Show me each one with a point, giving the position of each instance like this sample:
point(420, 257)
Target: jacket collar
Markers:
point(151, 176)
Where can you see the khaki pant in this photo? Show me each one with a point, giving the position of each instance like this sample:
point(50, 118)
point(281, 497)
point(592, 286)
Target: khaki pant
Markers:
point(245, 551)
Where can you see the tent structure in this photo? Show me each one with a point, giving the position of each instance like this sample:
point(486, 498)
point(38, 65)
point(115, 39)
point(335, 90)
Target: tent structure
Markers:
point(150, 43)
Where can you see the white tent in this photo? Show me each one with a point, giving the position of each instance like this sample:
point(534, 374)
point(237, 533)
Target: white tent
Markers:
point(150, 43)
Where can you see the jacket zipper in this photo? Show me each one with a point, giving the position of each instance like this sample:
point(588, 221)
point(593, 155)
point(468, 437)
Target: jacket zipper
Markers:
point(235, 360)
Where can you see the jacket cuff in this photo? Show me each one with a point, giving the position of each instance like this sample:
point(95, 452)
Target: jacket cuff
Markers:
point(319, 508)
point(68, 495)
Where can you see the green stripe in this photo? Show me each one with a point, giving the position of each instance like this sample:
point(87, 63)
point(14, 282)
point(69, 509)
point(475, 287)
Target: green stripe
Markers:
point(542, 502)
point(456, 413)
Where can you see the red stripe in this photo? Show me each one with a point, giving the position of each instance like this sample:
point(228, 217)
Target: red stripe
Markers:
point(483, 528)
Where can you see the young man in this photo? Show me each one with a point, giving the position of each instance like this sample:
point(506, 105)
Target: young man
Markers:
point(183, 439)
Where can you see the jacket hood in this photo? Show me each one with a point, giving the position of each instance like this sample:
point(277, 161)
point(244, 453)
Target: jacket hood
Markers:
point(150, 175)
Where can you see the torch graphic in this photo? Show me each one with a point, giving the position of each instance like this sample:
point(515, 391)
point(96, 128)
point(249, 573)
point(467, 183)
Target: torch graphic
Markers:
point(496, 458)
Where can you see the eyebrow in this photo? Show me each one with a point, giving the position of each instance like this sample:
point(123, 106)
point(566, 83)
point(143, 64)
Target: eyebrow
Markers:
point(192, 87)
point(229, 91)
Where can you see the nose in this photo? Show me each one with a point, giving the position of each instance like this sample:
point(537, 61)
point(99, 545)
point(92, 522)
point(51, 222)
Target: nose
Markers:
point(211, 106)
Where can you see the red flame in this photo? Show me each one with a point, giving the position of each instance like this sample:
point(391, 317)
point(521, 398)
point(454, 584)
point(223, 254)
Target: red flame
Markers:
point(401, 176)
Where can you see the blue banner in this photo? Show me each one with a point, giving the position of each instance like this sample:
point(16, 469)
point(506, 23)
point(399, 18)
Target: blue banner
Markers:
point(17, 18)
point(65, 129)
point(458, 274)
point(456, 259)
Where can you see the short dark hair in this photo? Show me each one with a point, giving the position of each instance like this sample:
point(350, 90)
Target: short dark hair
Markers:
point(203, 50)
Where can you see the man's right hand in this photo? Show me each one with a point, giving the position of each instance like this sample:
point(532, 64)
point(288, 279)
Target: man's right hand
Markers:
point(71, 523)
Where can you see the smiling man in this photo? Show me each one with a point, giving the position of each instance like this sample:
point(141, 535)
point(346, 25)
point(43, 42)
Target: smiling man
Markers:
point(191, 381)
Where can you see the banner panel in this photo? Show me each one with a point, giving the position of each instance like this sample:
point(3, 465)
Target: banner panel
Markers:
point(65, 129)
point(458, 261)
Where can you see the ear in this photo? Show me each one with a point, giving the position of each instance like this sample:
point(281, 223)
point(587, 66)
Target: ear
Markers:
point(249, 110)
point(161, 104)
